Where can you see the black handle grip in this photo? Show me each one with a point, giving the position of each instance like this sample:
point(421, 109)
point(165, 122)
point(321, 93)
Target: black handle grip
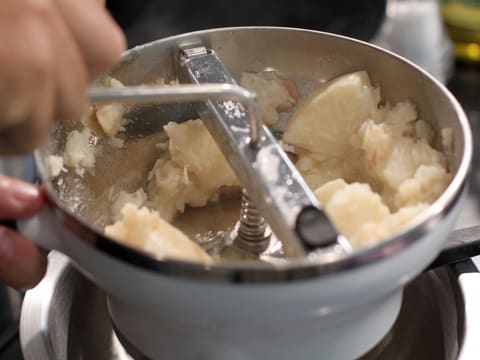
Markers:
point(316, 231)
point(462, 244)
point(314, 228)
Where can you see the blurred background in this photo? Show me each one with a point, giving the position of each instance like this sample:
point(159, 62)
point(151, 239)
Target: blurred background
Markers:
point(146, 20)
point(432, 33)
point(443, 36)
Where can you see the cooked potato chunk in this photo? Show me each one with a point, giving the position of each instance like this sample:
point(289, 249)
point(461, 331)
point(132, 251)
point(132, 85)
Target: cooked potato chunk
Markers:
point(145, 229)
point(335, 112)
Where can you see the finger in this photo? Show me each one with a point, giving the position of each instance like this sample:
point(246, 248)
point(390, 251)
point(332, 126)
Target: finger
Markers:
point(22, 264)
point(26, 80)
point(71, 71)
point(18, 199)
point(99, 38)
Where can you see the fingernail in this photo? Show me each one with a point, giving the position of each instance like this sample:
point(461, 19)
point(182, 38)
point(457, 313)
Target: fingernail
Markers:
point(24, 192)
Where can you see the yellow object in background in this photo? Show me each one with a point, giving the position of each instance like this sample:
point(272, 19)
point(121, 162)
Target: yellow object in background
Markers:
point(462, 19)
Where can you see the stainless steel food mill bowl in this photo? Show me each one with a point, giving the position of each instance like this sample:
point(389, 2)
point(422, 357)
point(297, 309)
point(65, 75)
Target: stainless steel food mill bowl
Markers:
point(245, 310)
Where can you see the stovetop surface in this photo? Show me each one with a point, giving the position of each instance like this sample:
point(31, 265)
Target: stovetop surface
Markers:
point(140, 27)
point(67, 315)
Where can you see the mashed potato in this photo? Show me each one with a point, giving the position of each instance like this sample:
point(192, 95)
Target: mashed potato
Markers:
point(54, 164)
point(107, 120)
point(273, 94)
point(145, 229)
point(79, 153)
point(372, 166)
point(194, 172)
point(119, 200)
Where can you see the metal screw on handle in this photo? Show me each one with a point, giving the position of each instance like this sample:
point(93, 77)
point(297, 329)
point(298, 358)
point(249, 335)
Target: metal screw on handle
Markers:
point(253, 233)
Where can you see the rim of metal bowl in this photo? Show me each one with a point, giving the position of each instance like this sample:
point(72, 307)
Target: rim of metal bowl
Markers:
point(298, 269)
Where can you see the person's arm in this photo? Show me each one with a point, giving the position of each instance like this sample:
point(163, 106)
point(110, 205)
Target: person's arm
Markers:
point(49, 51)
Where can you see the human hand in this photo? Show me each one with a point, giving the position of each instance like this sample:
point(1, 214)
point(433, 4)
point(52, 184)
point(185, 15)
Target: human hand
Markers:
point(22, 264)
point(49, 51)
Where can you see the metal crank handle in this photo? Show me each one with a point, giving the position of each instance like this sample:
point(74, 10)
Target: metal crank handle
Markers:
point(179, 93)
point(272, 181)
